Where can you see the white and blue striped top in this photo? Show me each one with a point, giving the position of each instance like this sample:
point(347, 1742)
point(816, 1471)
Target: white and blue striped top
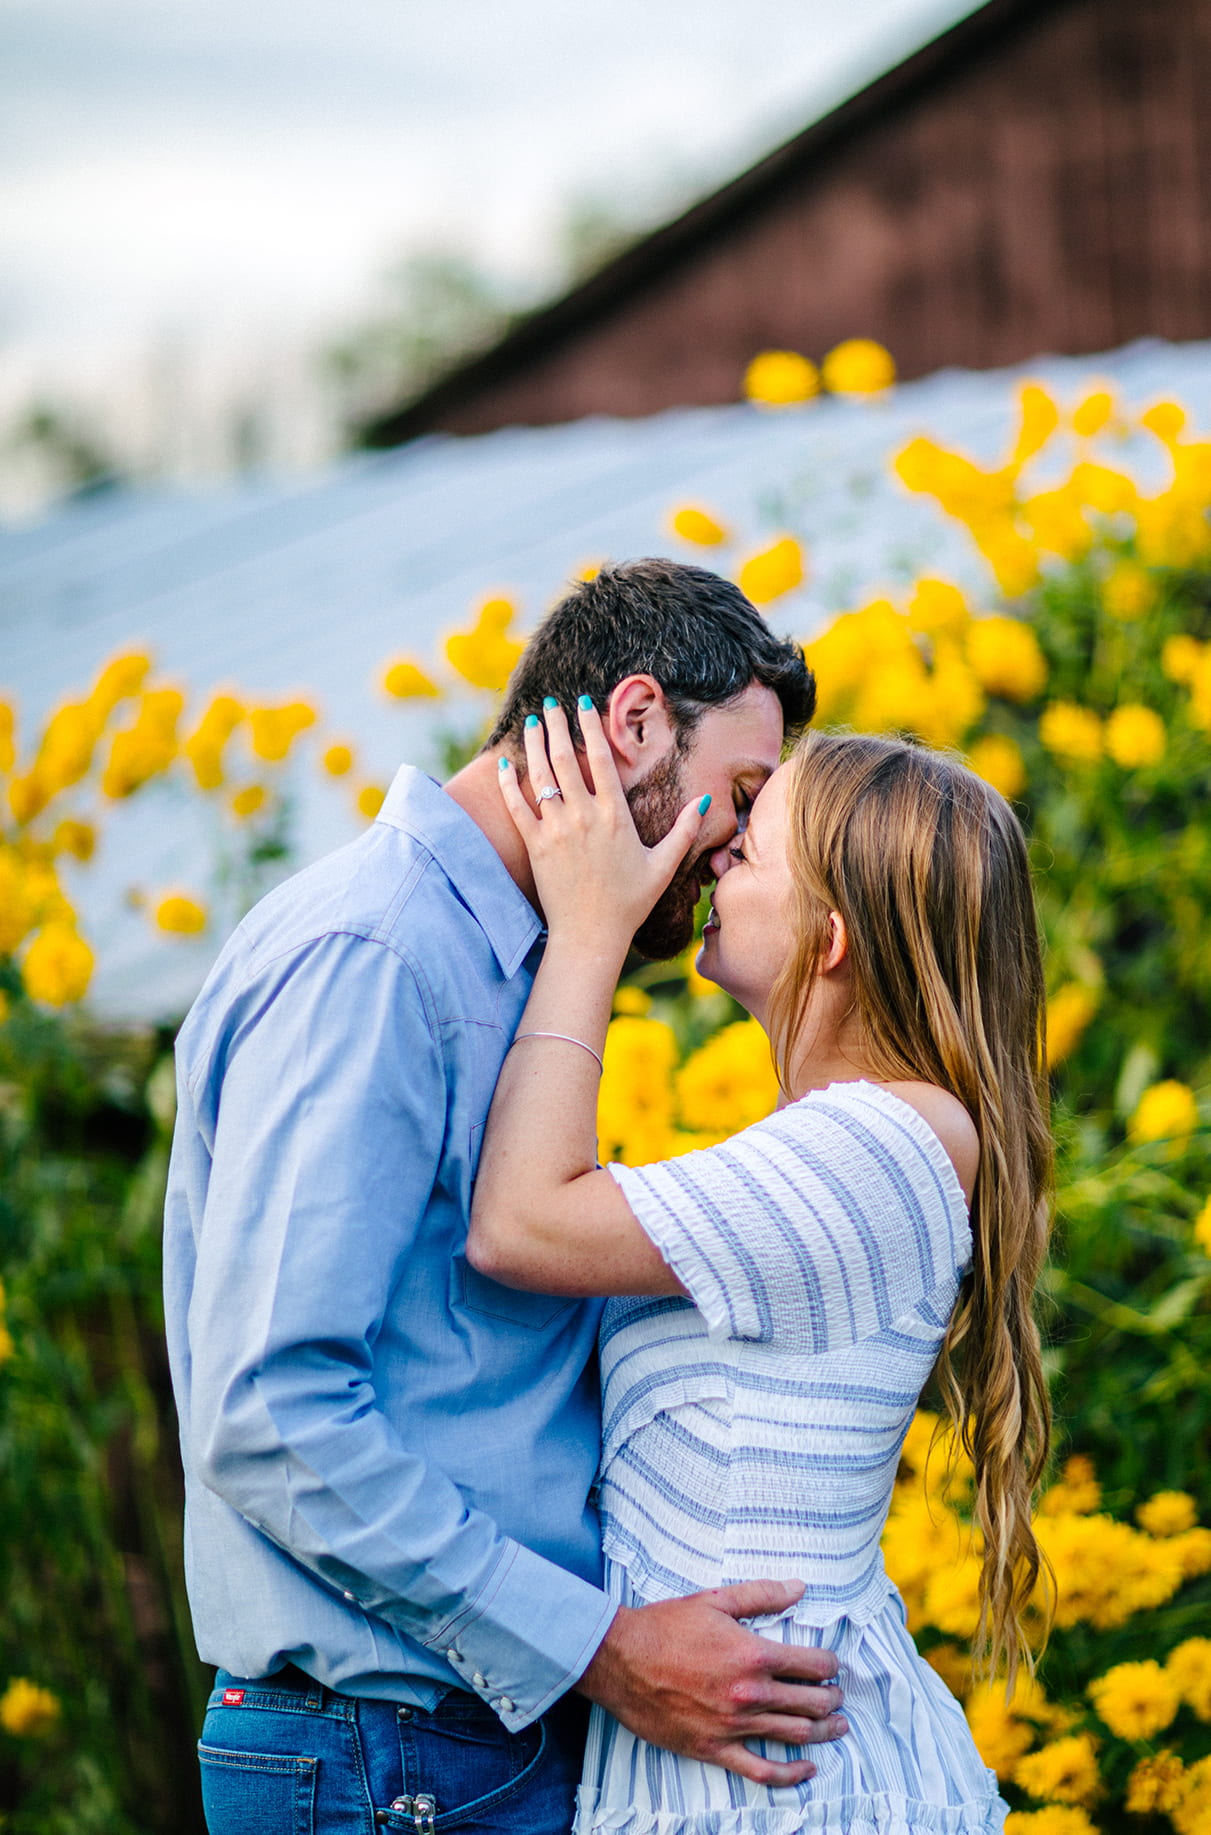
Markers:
point(754, 1430)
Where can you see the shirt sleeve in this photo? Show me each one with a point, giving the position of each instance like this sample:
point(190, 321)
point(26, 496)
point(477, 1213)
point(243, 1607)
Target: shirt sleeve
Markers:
point(325, 1144)
point(815, 1228)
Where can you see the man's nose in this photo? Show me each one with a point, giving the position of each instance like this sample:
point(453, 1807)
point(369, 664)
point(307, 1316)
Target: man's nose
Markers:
point(720, 859)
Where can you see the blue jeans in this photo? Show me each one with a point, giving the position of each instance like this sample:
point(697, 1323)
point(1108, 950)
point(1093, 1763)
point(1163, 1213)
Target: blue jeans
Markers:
point(291, 1758)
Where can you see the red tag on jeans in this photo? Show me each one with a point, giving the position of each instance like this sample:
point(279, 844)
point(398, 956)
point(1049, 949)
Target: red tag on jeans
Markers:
point(232, 1697)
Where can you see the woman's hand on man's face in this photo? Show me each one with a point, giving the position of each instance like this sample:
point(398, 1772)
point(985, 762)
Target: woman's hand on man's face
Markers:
point(593, 874)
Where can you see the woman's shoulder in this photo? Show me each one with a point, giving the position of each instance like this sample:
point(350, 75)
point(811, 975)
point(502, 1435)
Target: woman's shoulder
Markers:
point(941, 1111)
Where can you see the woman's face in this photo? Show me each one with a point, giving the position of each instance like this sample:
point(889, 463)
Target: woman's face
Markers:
point(749, 935)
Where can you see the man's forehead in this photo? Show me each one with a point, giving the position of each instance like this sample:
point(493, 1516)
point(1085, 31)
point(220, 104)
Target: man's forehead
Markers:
point(748, 729)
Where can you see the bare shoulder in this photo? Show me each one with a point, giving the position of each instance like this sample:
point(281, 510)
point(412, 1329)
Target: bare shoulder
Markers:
point(950, 1122)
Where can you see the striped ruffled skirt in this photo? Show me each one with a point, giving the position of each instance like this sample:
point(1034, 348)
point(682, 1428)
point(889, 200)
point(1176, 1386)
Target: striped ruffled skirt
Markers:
point(907, 1766)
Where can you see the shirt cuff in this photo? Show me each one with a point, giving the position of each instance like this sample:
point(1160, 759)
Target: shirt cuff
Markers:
point(527, 1638)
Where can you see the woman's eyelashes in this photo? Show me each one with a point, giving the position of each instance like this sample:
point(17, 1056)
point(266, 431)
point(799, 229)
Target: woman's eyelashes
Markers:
point(737, 853)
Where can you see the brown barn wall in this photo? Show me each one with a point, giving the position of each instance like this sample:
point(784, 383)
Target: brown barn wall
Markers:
point(1053, 194)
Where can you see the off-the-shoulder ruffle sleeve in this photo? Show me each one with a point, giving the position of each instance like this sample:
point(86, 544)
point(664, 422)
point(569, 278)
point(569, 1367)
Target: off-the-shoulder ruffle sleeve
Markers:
point(817, 1227)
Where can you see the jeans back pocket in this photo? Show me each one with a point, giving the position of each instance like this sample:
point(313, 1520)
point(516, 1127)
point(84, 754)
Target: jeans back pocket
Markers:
point(257, 1793)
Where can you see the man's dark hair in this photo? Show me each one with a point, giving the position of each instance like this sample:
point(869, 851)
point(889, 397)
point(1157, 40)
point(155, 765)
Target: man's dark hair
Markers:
point(691, 630)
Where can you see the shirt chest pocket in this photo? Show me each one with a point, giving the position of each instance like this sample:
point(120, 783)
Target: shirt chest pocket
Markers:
point(478, 1294)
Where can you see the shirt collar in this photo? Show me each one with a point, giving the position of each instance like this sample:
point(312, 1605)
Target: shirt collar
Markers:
point(418, 806)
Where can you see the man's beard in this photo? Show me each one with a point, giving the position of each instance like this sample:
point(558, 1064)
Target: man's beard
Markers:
point(655, 803)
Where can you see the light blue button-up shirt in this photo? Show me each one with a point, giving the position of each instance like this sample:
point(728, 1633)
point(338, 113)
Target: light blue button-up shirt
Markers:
point(388, 1457)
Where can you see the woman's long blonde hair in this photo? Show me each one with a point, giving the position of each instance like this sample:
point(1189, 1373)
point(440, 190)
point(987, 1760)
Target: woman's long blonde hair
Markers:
point(928, 867)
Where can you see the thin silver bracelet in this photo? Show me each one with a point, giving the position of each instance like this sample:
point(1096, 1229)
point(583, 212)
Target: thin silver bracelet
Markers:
point(564, 1038)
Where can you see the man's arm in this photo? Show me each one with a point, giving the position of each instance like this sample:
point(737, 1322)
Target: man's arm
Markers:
point(327, 1140)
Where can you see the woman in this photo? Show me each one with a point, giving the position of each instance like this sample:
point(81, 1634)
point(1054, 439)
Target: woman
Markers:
point(799, 1282)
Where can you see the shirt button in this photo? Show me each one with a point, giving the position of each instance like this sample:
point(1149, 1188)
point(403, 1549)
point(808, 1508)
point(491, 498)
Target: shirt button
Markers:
point(453, 1655)
point(505, 1705)
point(352, 1598)
point(478, 1681)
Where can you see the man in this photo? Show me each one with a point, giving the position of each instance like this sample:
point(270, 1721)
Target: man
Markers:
point(391, 1548)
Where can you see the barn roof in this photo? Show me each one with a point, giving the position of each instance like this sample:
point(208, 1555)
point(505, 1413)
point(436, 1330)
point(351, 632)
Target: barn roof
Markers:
point(313, 584)
point(541, 333)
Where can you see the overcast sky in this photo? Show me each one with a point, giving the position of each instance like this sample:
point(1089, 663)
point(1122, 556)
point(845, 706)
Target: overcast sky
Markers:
point(167, 165)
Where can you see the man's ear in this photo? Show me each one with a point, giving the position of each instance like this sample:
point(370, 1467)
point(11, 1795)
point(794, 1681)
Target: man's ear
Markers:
point(838, 943)
point(638, 726)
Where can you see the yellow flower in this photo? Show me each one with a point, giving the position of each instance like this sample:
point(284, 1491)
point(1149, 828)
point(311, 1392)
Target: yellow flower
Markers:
point(338, 760)
point(1165, 419)
point(205, 746)
point(485, 656)
point(952, 1596)
point(1105, 1571)
point(635, 1103)
point(148, 747)
point(1101, 488)
point(1189, 1670)
point(1072, 733)
point(1167, 1513)
point(1090, 415)
point(1128, 591)
point(1189, 1667)
point(1135, 736)
point(1057, 520)
point(859, 366)
point(1039, 418)
point(1054, 1819)
point(1069, 1011)
point(8, 747)
point(1155, 1785)
point(370, 799)
point(776, 570)
point(121, 677)
point(694, 524)
point(1063, 1772)
point(728, 1082)
point(18, 911)
point(1202, 1228)
point(937, 606)
point(1193, 1550)
point(274, 730)
point(588, 570)
point(76, 838)
point(999, 760)
point(1006, 658)
point(696, 984)
point(1135, 1700)
point(779, 378)
point(632, 1002)
point(180, 916)
point(1001, 1738)
point(1192, 1814)
point(27, 1711)
point(58, 965)
point(1180, 657)
point(408, 682)
point(5, 1009)
point(1166, 1111)
point(247, 801)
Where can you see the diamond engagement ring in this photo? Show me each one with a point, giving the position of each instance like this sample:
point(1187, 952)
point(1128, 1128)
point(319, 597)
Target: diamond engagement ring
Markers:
point(547, 792)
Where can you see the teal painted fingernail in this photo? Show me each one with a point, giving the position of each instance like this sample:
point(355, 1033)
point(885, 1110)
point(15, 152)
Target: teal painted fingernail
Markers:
point(531, 719)
point(550, 701)
point(704, 805)
point(585, 703)
point(504, 764)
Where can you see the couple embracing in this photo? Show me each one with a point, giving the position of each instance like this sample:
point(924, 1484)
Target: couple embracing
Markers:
point(483, 1441)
